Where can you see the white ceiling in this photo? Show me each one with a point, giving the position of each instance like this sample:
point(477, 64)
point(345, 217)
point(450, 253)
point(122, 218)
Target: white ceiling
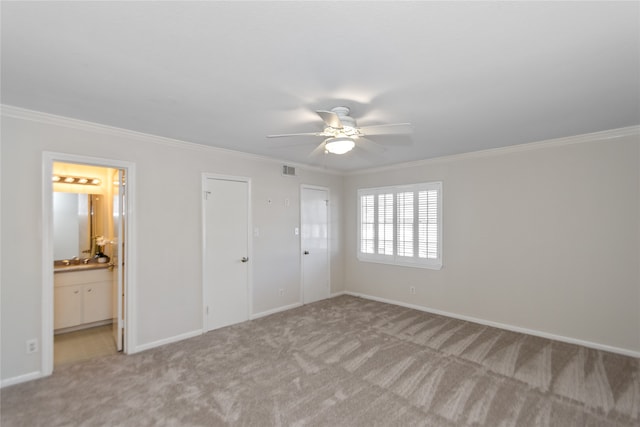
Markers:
point(468, 75)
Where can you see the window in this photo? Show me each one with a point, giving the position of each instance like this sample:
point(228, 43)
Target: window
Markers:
point(401, 225)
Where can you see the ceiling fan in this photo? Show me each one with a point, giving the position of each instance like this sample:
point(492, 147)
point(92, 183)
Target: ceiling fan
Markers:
point(342, 133)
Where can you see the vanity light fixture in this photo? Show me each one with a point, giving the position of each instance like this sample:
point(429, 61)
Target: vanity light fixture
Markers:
point(75, 180)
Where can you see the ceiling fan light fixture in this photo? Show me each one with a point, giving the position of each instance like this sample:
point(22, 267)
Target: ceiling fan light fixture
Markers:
point(341, 132)
point(339, 145)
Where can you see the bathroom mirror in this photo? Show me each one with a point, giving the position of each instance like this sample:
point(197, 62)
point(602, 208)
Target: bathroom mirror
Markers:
point(77, 219)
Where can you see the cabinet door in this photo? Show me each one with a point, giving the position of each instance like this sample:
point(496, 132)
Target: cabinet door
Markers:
point(97, 302)
point(67, 306)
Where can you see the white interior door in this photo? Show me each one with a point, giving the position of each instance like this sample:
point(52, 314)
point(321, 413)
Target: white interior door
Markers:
point(117, 258)
point(226, 260)
point(315, 244)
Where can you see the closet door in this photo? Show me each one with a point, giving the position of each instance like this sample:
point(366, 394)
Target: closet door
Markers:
point(315, 243)
point(226, 258)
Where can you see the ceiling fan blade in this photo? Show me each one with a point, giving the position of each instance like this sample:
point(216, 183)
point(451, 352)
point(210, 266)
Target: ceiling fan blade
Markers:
point(296, 134)
point(391, 129)
point(330, 118)
point(392, 139)
point(290, 143)
point(318, 150)
point(370, 146)
point(367, 153)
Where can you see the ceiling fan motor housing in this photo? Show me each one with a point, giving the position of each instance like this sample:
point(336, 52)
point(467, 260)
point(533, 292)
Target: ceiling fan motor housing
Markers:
point(345, 118)
point(341, 111)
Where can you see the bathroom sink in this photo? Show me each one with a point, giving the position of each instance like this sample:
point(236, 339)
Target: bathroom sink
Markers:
point(59, 266)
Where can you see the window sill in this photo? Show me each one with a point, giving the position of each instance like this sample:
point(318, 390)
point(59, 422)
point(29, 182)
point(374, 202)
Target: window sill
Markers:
point(430, 265)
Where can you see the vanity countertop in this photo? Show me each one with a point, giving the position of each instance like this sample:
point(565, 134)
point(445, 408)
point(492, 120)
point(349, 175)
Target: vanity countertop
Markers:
point(59, 267)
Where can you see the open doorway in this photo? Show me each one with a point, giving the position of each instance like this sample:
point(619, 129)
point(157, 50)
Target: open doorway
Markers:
point(86, 285)
point(86, 232)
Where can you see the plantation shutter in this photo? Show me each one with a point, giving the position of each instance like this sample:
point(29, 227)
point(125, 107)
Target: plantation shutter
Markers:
point(428, 224)
point(405, 223)
point(401, 225)
point(385, 224)
point(367, 225)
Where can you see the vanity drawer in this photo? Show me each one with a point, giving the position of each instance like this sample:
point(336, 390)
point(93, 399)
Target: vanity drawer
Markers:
point(81, 277)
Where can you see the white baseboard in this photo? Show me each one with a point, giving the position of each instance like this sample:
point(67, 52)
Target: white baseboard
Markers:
point(169, 340)
point(597, 346)
point(275, 310)
point(21, 379)
point(337, 294)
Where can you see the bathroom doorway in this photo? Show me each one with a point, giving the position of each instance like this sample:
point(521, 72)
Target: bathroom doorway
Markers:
point(87, 242)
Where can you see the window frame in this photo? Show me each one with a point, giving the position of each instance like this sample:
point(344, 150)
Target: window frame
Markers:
point(395, 259)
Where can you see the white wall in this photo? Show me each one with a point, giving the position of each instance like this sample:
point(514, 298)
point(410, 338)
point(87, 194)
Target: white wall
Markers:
point(168, 208)
point(543, 237)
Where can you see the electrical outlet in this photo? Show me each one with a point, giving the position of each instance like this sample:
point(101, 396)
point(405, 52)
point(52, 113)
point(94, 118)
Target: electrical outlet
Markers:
point(281, 290)
point(412, 289)
point(32, 346)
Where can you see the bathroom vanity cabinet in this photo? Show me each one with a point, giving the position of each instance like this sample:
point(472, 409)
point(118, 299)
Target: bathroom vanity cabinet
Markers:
point(82, 297)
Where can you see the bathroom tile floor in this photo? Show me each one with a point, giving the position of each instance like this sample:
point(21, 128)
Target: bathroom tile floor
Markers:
point(82, 345)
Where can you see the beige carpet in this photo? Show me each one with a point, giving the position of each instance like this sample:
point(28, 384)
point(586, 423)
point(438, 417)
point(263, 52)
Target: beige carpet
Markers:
point(340, 362)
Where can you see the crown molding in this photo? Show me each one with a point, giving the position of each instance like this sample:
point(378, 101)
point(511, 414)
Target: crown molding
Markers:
point(82, 125)
point(556, 142)
point(68, 122)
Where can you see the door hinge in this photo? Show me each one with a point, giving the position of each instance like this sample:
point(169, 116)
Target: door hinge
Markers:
point(206, 195)
point(206, 310)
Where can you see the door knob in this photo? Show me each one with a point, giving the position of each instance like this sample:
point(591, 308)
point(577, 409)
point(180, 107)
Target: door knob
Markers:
point(244, 259)
point(306, 252)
